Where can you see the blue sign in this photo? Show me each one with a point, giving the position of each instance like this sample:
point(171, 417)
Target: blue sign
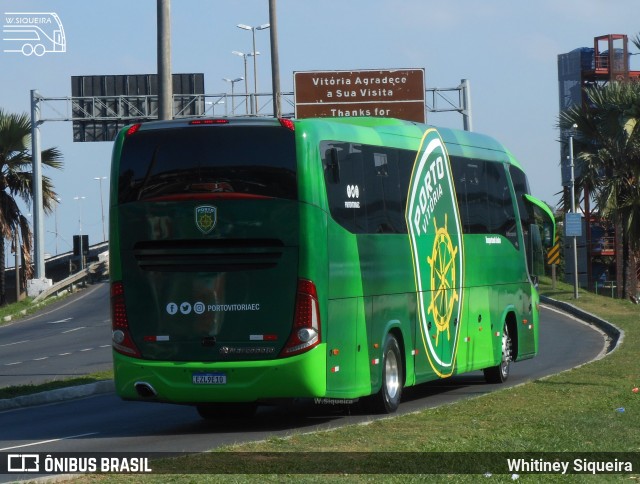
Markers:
point(573, 225)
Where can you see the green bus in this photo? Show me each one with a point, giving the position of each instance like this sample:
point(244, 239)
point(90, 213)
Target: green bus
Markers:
point(335, 259)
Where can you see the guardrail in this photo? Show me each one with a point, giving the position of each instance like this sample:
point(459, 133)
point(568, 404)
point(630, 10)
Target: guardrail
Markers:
point(96, 268)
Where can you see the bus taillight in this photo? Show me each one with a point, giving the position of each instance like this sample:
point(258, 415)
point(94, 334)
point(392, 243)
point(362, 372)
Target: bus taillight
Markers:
point(121, 337)
point(306, 324)
point(134, 128)
point(287, 123)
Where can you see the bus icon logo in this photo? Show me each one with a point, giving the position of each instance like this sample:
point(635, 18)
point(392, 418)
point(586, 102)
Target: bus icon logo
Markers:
point(206, 218)
point(33, 33)
point(23, 463)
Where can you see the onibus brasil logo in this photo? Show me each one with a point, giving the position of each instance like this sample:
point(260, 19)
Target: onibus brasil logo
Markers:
point(436, 248)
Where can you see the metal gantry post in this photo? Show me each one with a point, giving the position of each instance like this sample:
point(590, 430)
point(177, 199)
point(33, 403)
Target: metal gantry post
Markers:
point(38, 210)
point(465, 87)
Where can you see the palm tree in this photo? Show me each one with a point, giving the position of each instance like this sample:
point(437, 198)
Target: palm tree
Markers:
point(608, 145)
point(16, 181)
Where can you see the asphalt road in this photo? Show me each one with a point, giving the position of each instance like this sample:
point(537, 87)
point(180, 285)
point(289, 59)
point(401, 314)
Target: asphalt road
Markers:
point(104, 423)
point(71, 337)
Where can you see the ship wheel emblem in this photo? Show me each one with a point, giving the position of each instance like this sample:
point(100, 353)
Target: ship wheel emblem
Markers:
point(443, 279)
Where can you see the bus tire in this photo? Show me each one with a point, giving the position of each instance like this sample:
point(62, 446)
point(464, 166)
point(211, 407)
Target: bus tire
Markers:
point(219, 411)
point(500, 373)
point(388, 398)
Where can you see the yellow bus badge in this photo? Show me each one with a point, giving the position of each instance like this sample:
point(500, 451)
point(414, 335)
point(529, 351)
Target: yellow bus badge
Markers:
point(206, 218)
point(443, 279)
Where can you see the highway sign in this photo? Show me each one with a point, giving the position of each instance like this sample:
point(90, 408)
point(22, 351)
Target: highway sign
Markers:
point(398, 93)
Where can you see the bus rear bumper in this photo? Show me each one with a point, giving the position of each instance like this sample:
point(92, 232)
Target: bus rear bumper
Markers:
point(299, 376)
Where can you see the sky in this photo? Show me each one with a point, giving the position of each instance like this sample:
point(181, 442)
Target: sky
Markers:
point(506, 49)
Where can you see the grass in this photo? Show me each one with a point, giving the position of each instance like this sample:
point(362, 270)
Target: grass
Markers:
point(575, 411)
point(20, 390)
point(25, 307)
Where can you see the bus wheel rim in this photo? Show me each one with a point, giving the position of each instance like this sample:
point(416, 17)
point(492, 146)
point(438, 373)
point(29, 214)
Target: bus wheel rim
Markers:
point(392, 374)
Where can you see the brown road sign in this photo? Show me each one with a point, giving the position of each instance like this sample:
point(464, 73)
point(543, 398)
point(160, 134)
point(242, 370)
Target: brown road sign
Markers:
point(398, 93)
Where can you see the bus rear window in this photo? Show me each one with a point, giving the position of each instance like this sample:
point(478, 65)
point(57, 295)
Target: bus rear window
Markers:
point(191, 160)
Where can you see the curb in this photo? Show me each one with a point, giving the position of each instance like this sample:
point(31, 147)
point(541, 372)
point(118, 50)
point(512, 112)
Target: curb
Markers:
point(58, 395)
point(615, 334)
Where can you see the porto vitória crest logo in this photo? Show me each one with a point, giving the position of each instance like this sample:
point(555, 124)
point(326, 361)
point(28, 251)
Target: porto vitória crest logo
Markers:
point(206, 218)
point(436, 248)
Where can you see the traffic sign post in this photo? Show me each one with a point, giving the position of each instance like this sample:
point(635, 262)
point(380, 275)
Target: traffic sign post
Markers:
point(553, 259)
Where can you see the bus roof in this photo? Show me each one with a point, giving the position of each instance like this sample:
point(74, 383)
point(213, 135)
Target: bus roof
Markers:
point(386, 130)
point(459, 142)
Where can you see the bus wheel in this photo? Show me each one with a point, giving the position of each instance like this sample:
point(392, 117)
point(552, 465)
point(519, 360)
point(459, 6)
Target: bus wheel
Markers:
point(218, 411)
point(500, 373)
point(388, 398)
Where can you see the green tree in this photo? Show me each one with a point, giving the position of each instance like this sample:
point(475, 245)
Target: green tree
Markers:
point(16, 181)
point(608, 146)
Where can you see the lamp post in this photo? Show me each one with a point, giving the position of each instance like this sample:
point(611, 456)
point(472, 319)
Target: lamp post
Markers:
point(233, 83)
point(213, 105)
point(55, 219)
point(79, 198)
point(246, 87)
point(255, 68)
point(573, 211)
point(80, 229)
point(100, 178)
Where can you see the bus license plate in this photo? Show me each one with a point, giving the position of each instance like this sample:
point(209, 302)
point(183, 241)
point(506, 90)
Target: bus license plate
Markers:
point(209, 379)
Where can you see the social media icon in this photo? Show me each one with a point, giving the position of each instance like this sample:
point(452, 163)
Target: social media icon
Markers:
point(172, 308)
point(199, 307)
point(185, 308)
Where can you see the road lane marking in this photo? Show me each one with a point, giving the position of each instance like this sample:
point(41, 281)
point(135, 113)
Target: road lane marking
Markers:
point(59, 354)
point(15, 343)
point(48, 441)
point(60, 321)
point(74, 329)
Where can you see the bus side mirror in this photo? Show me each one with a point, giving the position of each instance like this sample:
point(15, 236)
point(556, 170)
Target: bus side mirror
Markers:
point(545, 219)
point(547, 230)
point(334, 165)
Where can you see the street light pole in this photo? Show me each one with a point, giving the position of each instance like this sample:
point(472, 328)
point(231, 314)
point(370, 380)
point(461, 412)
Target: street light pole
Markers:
point(79, 198)
point(100, 178)
point(246, 86)
point(573, 210)
point(233, 83)
point(255, 67)
point(55, 219)
point(80, 228)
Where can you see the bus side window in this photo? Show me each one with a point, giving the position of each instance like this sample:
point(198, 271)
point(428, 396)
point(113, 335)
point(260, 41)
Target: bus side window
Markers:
point(471, 191)
point(502, 217)
point(385, 212)
point(346, 194)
